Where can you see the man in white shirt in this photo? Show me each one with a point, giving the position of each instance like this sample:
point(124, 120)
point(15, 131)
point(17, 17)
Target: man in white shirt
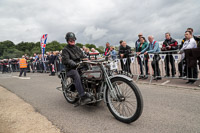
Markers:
point(188, 44)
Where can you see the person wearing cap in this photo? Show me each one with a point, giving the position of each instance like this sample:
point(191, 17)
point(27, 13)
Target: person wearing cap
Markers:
point(138, 41)
point(23, 66)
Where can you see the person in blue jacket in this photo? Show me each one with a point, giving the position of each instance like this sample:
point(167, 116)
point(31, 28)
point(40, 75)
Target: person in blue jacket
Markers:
point(154, 48)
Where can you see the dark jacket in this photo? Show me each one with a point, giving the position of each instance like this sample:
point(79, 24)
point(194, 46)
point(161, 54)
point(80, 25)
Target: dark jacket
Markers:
point(136, 44)
point(51, 59)
point(191, 57)
point(71, 55)
point(125, 50)
point(197, 39)
point(144, 45)
point(171, 42)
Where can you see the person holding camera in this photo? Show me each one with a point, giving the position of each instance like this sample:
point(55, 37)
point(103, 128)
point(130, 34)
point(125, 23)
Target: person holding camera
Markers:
point(169, 44)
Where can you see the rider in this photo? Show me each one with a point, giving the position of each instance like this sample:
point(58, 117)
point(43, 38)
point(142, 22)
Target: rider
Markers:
point(71, 56)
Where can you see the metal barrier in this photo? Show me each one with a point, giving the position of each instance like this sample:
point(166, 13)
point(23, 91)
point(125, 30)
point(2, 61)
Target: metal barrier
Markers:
point(167, 65)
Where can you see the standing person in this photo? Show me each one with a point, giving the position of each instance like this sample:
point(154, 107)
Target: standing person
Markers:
point(154, 48)
point(51, 64)
point(47, 61)
point(35, 62)
point(107, 49)
point(1, 64)
point(188, 44)
point(120, 47)
point(124, 52)
point(23, 66)
point(71, 56)
point(113, 53)
point(5, 63)
point(138, 41)
point(196, 38)
point(94, 54)
point(141, 48)
point(120, 43)
point(87, 52)
point(83, 49)
point(168, 45)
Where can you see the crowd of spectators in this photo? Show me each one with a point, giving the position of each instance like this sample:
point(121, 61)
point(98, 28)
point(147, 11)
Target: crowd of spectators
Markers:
point(52, 61)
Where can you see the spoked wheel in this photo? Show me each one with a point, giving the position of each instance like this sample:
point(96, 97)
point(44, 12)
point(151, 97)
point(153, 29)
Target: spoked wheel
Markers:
point(128, 105)
point(69, 91)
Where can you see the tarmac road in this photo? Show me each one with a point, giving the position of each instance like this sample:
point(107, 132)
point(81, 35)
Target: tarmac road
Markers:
point(166, 109)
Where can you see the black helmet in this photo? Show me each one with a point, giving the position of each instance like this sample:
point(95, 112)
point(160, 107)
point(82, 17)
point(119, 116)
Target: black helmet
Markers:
point(70, 35)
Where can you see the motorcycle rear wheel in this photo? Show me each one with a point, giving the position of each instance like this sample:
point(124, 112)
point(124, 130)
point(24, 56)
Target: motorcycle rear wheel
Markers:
point(69, 91)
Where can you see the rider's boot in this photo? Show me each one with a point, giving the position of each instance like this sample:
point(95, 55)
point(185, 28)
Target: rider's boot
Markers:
point(86, 98)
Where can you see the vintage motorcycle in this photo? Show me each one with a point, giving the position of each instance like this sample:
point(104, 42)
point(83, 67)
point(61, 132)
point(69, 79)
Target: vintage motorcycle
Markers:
point(119, 92)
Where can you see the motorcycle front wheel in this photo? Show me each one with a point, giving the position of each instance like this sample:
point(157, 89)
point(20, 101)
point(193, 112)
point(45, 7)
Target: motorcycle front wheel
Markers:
point(128, 105)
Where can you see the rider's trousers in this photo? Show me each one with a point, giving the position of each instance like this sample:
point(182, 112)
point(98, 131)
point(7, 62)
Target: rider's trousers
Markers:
point(77, 81)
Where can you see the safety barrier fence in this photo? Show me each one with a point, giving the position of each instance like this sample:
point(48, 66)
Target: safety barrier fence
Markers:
point(165, 64)
point(31, 67)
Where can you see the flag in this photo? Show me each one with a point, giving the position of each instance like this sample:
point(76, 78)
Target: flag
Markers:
point(43, 46)
point(43, 43)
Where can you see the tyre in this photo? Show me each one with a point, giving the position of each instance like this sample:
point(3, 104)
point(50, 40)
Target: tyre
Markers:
point(128, 106)
point(69, 91)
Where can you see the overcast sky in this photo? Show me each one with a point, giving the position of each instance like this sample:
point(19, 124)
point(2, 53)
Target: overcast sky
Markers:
point(97, 21)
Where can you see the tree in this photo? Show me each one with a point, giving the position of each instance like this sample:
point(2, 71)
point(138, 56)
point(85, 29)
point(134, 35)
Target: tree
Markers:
point(100, 51)
point(79, 45)
point(12, 53)
point(63, 45)
point(53, 46)
point(6, 45)
point(90, 46)
point(36, 48)
point(102, 48)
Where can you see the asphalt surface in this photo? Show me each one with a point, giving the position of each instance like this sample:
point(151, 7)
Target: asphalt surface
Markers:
point(166, 109)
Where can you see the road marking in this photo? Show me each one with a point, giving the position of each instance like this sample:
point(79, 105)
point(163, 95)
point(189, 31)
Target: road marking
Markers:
point(21, 77)
point(164, 83)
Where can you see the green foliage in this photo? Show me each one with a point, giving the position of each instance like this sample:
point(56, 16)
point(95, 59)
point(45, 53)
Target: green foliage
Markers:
point(90, 46)
point(53, 46)
point(63, 45)
point(100, 51)
point(12, 53)
point(9, 50)
point(36, 50)
point(5, 45)
point(102, 48)
point(79, 45)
